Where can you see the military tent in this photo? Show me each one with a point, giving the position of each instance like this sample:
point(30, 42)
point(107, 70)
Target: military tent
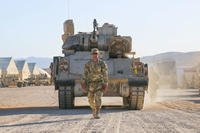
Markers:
point(190, 77)
point(35, 70)
point(43, 72)
point(8, 67)
point(0, 73)
point(198, 69)
point(23, 69)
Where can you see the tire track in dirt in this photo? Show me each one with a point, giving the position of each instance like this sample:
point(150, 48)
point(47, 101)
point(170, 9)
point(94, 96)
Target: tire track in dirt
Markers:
point(114, 124)
point(23, 122)
point(107, 122)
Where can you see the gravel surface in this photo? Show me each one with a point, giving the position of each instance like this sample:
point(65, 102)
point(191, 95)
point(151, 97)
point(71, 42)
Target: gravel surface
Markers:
point(35, 109)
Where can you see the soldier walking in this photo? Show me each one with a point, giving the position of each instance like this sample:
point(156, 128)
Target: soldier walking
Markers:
point(95, 81)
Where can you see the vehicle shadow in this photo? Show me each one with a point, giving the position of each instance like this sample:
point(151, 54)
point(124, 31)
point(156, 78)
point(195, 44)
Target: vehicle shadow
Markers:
point(55, 111)
point(40, 122)
point(195, 98)
point(195, 101)
point(184, 96)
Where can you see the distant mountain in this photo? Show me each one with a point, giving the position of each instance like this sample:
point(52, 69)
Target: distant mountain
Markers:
point(181, 58)
point(42, 62)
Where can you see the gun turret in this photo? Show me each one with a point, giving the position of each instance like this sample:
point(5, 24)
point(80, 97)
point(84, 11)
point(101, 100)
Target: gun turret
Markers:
point(104, 38)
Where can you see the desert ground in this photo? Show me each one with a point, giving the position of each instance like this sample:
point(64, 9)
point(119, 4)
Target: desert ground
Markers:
point(35, 109)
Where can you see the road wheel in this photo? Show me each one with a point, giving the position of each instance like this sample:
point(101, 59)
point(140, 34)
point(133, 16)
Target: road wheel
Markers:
point(19, 84)
point(66, 97)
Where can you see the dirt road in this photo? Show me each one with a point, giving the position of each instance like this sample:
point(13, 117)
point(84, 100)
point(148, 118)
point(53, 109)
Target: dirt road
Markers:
point(34, 109)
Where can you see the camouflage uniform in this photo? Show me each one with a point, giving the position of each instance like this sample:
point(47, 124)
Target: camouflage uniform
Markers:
point(95, 76)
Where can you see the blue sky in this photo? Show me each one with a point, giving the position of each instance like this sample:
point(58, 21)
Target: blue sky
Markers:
point(34, 28)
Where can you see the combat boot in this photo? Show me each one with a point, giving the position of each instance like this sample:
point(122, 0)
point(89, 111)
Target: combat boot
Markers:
point(97, 111)
point(93, 112)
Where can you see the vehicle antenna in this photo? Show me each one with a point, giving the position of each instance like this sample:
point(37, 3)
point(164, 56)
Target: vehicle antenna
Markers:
point(68, 9)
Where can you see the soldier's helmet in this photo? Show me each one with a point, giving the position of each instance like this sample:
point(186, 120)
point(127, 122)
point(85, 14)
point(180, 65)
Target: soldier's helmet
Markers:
point(94, 51)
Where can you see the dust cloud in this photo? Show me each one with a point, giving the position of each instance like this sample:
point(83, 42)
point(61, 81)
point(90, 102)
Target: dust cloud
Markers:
point(161, 81)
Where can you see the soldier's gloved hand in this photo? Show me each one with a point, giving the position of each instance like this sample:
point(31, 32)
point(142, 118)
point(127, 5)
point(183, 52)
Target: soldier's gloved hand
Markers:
point(104, 87)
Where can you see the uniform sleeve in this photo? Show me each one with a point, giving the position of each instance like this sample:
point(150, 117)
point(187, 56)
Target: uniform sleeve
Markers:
point(104, 72)
point(84, 78)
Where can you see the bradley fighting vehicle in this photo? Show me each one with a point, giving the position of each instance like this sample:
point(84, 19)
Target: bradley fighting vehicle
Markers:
point(128, 77)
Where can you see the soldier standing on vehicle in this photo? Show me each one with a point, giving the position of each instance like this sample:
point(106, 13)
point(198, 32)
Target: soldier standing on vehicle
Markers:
point(95, 81)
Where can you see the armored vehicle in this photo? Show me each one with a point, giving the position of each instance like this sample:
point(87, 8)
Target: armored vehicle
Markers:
point(128, 77)
point(38, 80)
point(22, 83)
point(9, 81)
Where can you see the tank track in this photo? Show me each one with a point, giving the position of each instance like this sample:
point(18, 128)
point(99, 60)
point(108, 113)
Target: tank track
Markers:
point(66, 97)
point(136, 99)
